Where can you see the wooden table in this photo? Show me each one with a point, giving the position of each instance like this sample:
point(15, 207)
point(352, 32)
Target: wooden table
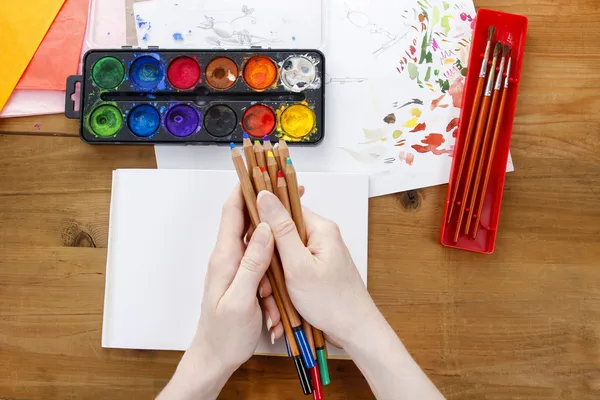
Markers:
point(522, 323)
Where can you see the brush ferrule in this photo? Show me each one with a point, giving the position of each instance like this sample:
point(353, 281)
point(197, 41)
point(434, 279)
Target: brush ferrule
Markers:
point(490, 82)
point(500, 72)
point(486, 58)
point(507, 73)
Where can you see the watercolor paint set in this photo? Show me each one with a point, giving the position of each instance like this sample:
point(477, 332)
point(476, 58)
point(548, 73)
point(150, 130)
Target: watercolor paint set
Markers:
point(479, 163)
point(136, 96)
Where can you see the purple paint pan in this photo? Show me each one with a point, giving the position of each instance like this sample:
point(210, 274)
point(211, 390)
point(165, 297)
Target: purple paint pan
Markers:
point(182, 120)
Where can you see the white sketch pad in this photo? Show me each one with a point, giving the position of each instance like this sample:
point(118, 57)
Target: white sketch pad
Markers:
point(163, 227)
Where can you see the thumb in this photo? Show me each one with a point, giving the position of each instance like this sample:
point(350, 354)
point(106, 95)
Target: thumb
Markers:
point(290, 247)
point(254, 263)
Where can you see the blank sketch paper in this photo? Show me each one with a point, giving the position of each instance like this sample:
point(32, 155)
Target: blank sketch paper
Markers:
point(163, 226)
point(395, 73)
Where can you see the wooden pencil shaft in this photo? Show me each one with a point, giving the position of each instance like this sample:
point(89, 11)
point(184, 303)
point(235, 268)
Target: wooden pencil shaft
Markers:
point(246, 186)
point(277, 156)
point(287, 328)
point(267, 146)
point(260, 155)
point(276, 267)
point(273, 168)
point(284, 153)
point(282, 194)
point(476, 142)
point(292, 183)
point(267, 181)
point(249, 153)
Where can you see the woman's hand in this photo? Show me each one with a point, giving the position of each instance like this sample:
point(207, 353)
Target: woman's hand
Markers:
point(230, 319)
point(321, 278)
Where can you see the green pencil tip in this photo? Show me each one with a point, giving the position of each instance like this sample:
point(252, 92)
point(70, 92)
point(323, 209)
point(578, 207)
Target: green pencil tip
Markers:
point(256, 141)
point(323, 369)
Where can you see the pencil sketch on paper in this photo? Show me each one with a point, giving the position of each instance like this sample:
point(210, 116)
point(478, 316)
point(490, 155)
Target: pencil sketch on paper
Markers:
point(235, 32)
point(390, 37)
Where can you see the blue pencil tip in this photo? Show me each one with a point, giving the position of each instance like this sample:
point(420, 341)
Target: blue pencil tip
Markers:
point(246, 136)
point(232, 145)
point(266, 138)
point(288, 161)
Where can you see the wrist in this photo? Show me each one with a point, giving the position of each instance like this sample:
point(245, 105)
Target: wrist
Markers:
point(199, 375)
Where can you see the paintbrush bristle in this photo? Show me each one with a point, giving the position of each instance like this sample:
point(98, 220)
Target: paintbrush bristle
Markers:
point(491, 31)
point(497, 48)
point(505, 50)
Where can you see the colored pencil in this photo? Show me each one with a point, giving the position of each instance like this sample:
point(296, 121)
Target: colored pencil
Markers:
point(267, 179)
point(490, 159)
point(273, 168)
point(472, 120)
point(249, 152)
point(296, 208)
point(276, 154)
point(291, 342)
point(260, 154)
point(275, 271)
point(267, 146)
point(489, 130)
point(481, 124)
point(284, 153)
point(282, 192)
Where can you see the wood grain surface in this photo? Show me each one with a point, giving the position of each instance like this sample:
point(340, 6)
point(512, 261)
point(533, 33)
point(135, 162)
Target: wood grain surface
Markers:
point(523, 323)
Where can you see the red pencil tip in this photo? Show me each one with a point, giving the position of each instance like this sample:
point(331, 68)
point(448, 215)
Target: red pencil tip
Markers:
point(263, 169)
point(279, 174)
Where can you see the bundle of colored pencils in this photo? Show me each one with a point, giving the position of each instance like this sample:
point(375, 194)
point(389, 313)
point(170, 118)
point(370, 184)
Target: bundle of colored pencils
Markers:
point(470, 184)
point(270, 168)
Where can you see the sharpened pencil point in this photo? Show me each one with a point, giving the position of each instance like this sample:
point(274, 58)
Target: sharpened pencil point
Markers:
point(266, 138)
point(263, 169)
point(246, 136)
point(288, 161)
point(280, 174)
point(276, 145)
point(270, 154)
point(491, 31)
point(256, 141)
point(232, 145)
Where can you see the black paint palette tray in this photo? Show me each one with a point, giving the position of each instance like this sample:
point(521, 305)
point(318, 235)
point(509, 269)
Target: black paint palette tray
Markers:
point(136, 96)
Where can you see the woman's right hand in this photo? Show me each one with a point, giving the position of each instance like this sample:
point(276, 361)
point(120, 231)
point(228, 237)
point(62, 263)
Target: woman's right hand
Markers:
point(321, 277)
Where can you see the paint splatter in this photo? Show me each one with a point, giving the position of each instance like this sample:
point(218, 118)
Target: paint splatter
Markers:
point(412, 101)
point(177, 36)
point(452, 124)
point(145, 37)
point(390, 118)
point(410, 158)
point(396, 134)
point(416, 112)
point(456, 91)
point(373, 135)
point(420, 127)
point(435, 103)
point(293, 37)
point(37, 127)
point(455, 133)
point(140, 22)
point(189, 31)
point(432, 143)
point(411, 123)
point(400, 143)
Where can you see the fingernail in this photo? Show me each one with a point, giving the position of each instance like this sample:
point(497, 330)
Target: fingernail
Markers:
point(260, 292)
point(272, 337)
point(262, 234)
point(267, 202)
point(269, 323)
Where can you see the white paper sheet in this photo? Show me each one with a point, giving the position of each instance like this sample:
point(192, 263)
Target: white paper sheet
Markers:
point(393, 93)
point(163, 226)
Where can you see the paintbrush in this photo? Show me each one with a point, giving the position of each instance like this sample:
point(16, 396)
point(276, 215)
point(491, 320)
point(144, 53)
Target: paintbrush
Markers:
point(259, 154)
point(249, 152)
point(472, 120)
point(490, 159)
point(272, 167)
point(275, 271)
point(267, 146)
point(481, 123)
point(486, 140)
point(296, 207)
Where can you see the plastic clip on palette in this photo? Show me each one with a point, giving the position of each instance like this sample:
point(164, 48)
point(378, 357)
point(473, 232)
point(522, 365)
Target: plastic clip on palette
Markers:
point(479, 165)
point(133, 96)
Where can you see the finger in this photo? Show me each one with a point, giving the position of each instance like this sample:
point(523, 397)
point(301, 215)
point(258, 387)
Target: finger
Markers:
point(271, 312)
point(254, 264)
point(301, 191)
point(229, 247)
point(248, 235)
point(288, 241)
point(264, 288)
point(277, 332)
point(332, 341)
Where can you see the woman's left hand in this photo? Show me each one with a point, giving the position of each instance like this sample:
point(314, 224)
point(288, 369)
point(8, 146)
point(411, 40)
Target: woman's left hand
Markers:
point(231, 318)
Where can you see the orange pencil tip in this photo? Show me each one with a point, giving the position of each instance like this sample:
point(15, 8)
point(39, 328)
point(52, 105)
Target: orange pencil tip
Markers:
point(263, 169)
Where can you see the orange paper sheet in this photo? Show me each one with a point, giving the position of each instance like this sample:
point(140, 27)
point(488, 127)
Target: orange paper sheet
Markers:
point(22, 29)
point(59, 54)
